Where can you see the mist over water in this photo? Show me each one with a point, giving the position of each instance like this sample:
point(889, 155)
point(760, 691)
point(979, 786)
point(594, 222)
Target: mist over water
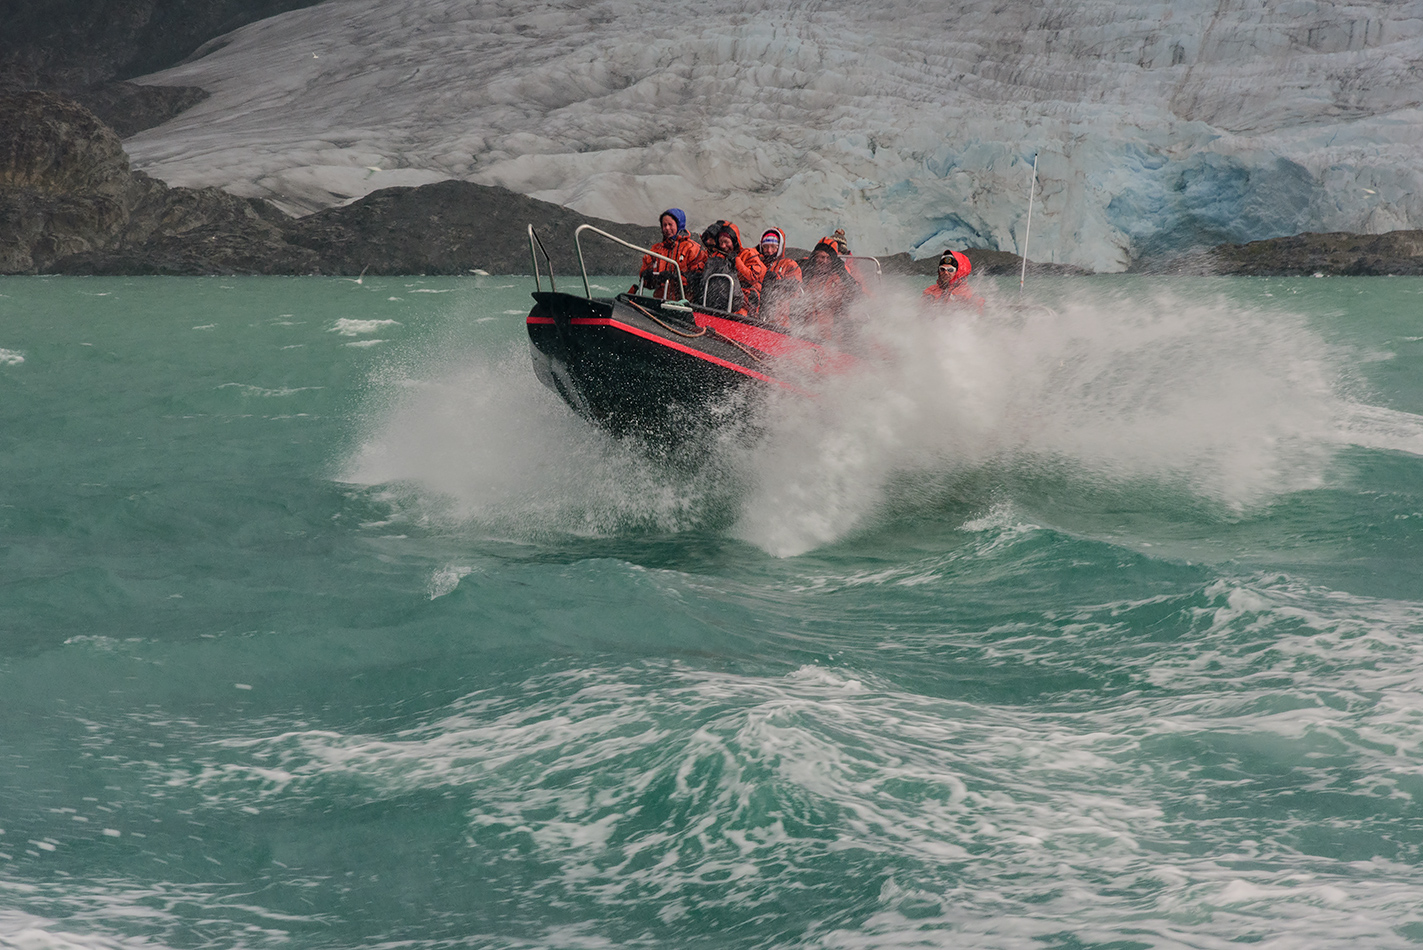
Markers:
point(1091, 623)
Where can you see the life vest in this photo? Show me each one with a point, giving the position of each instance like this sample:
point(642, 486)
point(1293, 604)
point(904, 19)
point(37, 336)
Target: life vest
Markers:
point(749, 266)
point(661, 277)
point(842, 248)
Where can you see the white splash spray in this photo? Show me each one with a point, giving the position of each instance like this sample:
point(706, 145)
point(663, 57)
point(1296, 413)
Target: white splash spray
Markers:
point(1227, 404)
point(1201, 397)
point(477, 439)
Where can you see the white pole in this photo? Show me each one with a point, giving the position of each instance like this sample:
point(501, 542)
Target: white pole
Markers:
point(1032, 186)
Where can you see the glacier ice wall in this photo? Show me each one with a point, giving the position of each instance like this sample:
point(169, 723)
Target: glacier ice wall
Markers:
point(1157, 125)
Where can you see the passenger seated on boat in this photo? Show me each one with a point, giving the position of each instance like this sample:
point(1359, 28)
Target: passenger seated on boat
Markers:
point(709, 236)
point(709, 246)
point(750, 269)
point(830, 291)
point(949, 288)
point(720, 283)
point(782, 283)
point(853, 267)
point(658, 276)
point(746, 265)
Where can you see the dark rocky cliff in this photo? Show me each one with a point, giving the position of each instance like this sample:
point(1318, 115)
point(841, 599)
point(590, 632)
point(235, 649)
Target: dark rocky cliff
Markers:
point(66, 192)
point(74, 43)
point(70, 204)
point(1335, 254)
point(88, 48)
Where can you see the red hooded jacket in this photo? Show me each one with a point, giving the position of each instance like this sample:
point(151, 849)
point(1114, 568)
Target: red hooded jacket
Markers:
point(749, 266)
point(956, 293)
point(661, 277)
point(830, 290)
point(781, 284)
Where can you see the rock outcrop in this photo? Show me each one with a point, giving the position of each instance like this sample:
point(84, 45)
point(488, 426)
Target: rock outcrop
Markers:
point(70, 204)
point(71, 44)
point(65, 182)
point(86, 49)
point(129, 108)
point(1339, 254)
point(451, 227)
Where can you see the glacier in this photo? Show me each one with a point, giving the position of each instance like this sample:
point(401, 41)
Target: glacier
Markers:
point(1157, 126)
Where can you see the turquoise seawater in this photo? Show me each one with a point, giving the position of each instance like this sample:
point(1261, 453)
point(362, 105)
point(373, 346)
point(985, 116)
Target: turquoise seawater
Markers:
point(323, 624)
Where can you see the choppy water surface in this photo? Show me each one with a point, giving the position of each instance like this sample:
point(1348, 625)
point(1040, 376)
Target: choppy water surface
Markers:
point(322, 624)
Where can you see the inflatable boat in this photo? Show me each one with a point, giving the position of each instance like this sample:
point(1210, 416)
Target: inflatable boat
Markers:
point(662, 369)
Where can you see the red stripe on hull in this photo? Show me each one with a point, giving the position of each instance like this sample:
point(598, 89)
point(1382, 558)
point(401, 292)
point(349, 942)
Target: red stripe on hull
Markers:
point(681, 348)
point(767, 341)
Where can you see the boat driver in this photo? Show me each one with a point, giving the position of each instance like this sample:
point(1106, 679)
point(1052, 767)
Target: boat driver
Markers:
point(658, 276)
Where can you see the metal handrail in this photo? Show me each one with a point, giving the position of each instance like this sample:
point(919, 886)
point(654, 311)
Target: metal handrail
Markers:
point(730, 291)
point(534, 256)
point(578, 242)
point(879, 271)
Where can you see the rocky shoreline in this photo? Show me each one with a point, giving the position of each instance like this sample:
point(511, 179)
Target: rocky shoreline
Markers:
point(71, 204)
point(1339, 254)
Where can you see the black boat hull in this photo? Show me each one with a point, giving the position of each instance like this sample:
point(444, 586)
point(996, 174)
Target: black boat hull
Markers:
point(635, 366)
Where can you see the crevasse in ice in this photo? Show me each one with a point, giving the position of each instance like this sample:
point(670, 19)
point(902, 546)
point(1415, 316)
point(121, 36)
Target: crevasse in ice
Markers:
point(1158, 126)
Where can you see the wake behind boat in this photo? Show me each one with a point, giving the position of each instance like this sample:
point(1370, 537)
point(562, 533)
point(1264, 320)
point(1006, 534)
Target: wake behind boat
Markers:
point(636, 364)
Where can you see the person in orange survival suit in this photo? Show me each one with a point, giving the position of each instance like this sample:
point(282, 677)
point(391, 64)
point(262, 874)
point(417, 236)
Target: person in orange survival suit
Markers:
point(852, 267)
point(660, 277)
point(830, 291)
point(949, 288)
point(782, 282)
point(720, 272)
point(750, 269)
